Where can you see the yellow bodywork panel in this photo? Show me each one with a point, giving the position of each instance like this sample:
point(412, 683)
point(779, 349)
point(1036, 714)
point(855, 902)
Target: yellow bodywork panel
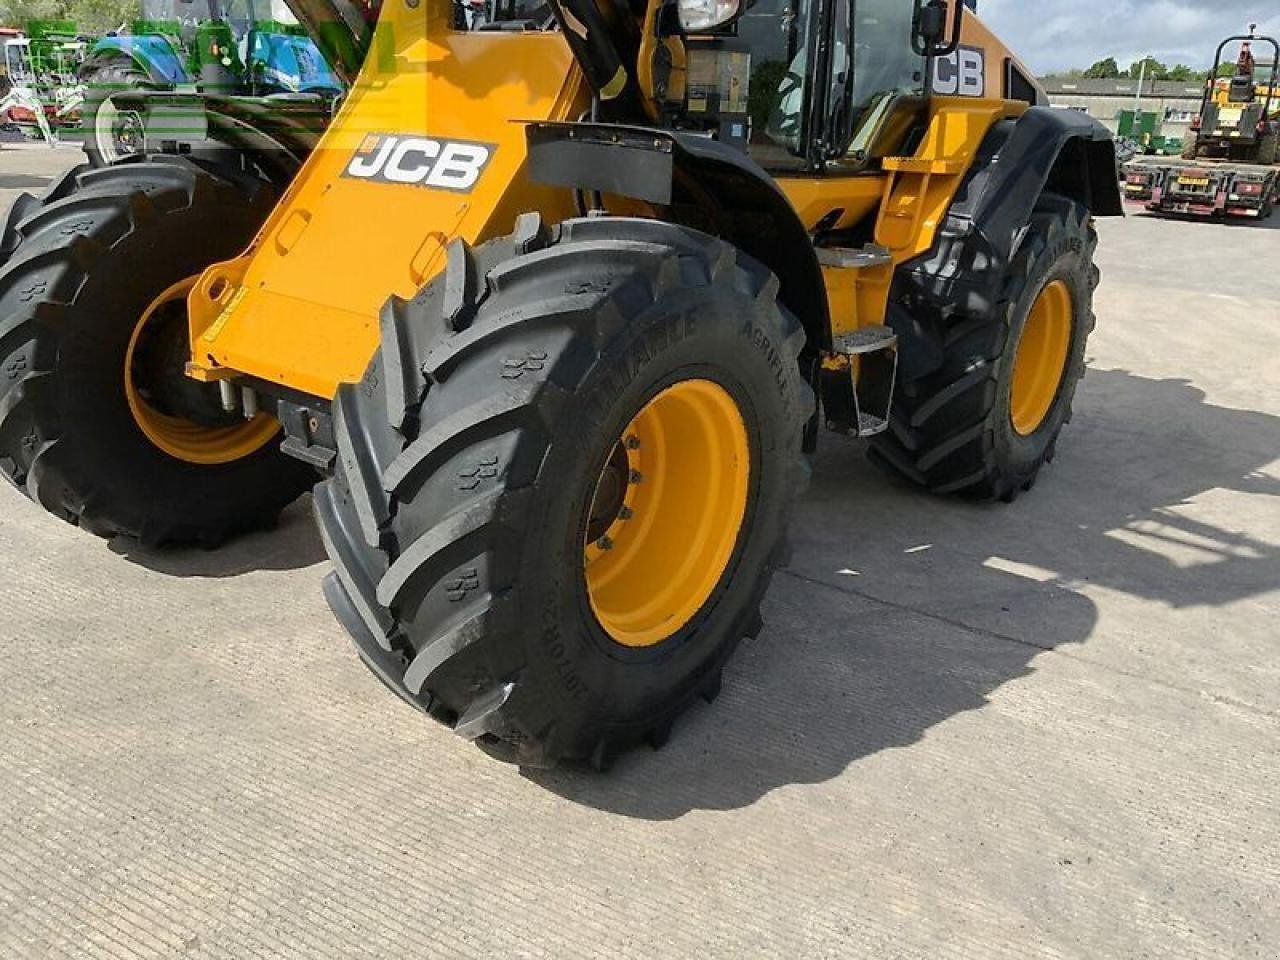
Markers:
point(912, 197)
point(816, 196)
point(429, 146)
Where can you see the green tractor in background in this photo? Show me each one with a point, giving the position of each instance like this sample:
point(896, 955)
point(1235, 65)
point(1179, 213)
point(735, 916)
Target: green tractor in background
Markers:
point(183, 73)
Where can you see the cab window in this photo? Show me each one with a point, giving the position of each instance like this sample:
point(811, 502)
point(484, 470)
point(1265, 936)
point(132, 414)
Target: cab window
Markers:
point(780, 33)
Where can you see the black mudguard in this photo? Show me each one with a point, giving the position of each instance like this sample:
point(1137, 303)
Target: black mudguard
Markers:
point(1063, 151)
point(708, 185)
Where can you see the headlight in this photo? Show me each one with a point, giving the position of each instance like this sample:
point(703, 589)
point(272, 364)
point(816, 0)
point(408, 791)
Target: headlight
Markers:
point(698, 16)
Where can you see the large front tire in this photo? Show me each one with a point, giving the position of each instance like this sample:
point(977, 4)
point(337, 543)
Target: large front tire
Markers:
point(97, 422)
point(543, 395)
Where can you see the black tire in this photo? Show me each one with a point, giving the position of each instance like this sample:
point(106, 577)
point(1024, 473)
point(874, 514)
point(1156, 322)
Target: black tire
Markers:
point(1269, 150)
point(79, 268)
point(456, 517)
point(101, 83)
point(951, 430)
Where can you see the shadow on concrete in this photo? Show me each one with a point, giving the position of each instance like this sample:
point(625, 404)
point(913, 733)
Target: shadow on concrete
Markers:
point(23, 181)
point(1271, 223)
point(292, 545)
point(902, 610)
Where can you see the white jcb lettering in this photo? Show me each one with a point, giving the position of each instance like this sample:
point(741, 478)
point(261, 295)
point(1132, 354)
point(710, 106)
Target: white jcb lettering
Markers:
point(401, 168)
point(459, 166)
point(372, 155)
point(961, 74)
point(443, 164)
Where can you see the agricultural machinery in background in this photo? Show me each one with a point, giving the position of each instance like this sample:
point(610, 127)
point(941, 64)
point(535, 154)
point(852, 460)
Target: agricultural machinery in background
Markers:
point(41, 93)
point(1145, 130)
point(1228, 166)
point(192, 70)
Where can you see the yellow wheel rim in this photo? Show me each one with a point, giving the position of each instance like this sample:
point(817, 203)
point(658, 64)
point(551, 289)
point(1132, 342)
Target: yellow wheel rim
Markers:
point(181, 438)
point(666, 513)
point(1041, 358)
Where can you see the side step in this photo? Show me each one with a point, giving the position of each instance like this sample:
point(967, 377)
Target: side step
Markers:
point(868, 357)
point(855, 258)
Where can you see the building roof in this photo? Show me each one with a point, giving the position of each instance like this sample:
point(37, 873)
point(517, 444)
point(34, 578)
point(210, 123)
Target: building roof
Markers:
point(1120, 88)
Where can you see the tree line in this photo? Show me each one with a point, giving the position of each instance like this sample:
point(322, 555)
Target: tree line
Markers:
point(92, 17)
point(1109, 69)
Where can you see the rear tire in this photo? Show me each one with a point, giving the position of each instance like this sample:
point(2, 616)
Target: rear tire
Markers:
point(1269, 150)
point(953, 430)
point(81, 265)
point(458, 517)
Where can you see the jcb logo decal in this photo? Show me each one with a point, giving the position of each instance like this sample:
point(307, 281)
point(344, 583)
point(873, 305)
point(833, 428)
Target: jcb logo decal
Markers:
point(442, 164)
point(962, 74)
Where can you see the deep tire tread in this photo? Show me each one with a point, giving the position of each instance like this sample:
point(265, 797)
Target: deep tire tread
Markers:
point(458, 324)
point(49, 248)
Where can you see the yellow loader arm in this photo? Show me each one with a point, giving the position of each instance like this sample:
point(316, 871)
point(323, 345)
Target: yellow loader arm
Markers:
point(433, 107)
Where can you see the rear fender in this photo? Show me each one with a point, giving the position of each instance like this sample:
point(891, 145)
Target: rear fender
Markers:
point(291, 63)
point(1062, 151)
point(151, 53)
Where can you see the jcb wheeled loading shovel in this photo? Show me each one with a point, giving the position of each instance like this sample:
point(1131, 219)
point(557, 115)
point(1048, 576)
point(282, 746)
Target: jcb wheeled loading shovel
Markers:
point(553, 337)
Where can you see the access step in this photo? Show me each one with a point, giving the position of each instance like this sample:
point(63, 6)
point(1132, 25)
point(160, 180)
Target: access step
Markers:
point(858, 385)
point(855, 258)
point(865, 340)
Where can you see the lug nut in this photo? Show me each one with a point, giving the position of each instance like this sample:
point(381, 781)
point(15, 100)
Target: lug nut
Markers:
point(227, 393)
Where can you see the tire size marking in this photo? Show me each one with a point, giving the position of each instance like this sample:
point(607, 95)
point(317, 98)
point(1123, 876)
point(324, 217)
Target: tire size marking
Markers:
point(559, 653)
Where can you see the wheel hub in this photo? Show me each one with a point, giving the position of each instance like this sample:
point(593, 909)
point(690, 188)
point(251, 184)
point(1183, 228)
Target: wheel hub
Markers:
point(666, 513)
point(1041, 358)
point(128, 133)
point(183, 418)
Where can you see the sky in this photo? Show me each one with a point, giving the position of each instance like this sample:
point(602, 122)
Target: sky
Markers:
point(1052, 35)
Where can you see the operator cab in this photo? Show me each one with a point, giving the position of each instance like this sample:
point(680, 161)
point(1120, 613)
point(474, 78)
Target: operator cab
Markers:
point(1243, 88)
point(798, 84)
point(857, 103)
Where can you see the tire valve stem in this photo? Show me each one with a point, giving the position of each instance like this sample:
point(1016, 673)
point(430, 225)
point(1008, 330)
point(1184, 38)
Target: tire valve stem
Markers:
point(227, 391)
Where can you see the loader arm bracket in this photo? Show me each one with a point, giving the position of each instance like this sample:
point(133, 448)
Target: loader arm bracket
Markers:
point(705, 184)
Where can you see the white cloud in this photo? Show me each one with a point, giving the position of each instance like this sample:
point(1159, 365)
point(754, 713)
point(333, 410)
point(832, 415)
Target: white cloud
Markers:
point(1059, 34)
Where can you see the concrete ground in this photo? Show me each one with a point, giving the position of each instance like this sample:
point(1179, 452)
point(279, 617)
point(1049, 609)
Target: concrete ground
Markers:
point(1050, 729)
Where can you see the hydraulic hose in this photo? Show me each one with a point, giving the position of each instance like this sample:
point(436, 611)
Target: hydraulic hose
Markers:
point(589, 39)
